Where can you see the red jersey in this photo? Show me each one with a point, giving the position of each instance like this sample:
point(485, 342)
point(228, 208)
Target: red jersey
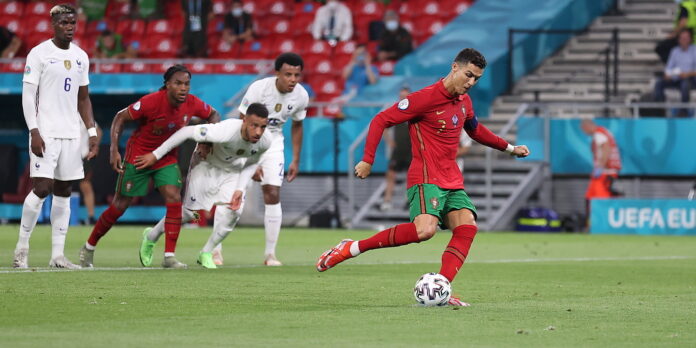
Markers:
point(157, 120)
point(435, 121)
point(613, 164)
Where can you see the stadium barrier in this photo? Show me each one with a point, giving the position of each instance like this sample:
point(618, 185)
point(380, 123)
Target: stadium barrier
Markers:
point(643, 216)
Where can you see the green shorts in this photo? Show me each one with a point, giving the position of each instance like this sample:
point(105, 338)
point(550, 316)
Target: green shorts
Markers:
point(134, 183)
point(430, 199)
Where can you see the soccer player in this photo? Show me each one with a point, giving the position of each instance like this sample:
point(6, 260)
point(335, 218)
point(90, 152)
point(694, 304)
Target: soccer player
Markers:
point(159, 115)
point(219, 178)
point(606, 162)
point(285, 99)
point(436, 115)
point(55, 96)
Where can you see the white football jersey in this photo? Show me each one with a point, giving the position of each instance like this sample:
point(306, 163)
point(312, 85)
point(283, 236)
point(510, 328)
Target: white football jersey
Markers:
point(230, 152)
point(58, 74)
point(281, 106)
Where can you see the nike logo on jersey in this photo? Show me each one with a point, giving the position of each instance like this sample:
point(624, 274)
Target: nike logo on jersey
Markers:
point(52, 61)
point(289, 107)
point(193, 199)
point(439, 112)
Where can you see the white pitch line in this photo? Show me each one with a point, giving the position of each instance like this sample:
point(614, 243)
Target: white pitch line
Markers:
point(9, 270)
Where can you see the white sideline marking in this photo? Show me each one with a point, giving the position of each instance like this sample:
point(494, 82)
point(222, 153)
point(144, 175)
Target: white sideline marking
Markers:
point(7, 270)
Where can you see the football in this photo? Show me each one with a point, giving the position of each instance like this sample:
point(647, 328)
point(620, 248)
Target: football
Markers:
point(432, 289)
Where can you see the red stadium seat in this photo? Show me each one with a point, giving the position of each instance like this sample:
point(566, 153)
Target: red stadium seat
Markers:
point(283, 44)
point(326, 87)
point(345, 48)
point(14, 67)
point(36, 38)
point(408, 25)
point(12, 9)
point(340, 62)
point(370, 9)
point(131, 29)
point(201, 67)
point(386, 68)
point(108, 68)
point(118, 9)
point(320, 65)
point(163, 27)
point(278, 7)
point(38, 24)
point(136, 67)
point(220, 7)
point(306, 8)
point(221, 49)
point(317, 47)
point(256, 49)
point(362, 28)
point(254, 8)
point(14, 25)
point(216, 25)
point(455, 7)
point(428, 26)
point(96, 27)
point(430, 8)
point(301, 24)
point(233, 68)
point(173, 9)
point(407, 10)
point(162, 47)
point(37, 8)
point(86, 43)
point(281, 27)
point(273, 25)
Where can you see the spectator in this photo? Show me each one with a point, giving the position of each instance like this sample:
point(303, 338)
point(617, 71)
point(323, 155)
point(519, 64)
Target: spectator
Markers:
point(686, 19)
point(395, 41)
point(680, 70)
point(239, 25)
point(333, 22)
point(94, 9)
point(399, 143)
point(110, 45)
point(606, 162)
point(197, 13)
point(359, 72)
point(9, 43)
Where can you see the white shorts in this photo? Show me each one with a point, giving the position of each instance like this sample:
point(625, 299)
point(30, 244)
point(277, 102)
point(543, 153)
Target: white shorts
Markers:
point(273, 165)
point(62, 160)
point(207, 185)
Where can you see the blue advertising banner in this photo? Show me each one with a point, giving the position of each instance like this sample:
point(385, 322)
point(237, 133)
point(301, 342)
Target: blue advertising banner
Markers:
point(643, 216)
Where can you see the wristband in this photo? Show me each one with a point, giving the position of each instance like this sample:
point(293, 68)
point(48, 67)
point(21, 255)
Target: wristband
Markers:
point(510, 148)
point(92, 132)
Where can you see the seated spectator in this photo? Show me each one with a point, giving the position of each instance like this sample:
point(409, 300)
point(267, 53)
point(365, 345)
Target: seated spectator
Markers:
point(359, 72)
point(680, 70)
point(333, 22)
point(110, 45)
point(239, 25)
point(9, 43)
point(395, 41)
point(686, 9)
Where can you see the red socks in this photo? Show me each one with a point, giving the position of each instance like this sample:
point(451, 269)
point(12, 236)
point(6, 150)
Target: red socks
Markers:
point(398, 235)
point(172, 226)
point(106, 220)
point(457, 249)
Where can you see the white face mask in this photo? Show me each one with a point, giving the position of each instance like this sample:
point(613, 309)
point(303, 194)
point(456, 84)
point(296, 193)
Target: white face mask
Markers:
point(237, 11)
point(391, 25)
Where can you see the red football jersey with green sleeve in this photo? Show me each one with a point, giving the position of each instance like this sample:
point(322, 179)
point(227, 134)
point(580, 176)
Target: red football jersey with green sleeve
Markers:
point(435, 119)
point(158, 119)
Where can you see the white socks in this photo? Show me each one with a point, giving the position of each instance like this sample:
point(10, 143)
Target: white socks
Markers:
point(225, 221)
point(60, 220)
point(30, 214)
point(272, 221)
point(158, 230)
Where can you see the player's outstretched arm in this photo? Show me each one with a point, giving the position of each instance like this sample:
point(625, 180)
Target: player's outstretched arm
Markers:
point(116, 130)
point(362, 169)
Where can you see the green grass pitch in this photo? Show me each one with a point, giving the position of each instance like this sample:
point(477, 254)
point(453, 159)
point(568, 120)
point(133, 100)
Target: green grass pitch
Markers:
point(526, 290)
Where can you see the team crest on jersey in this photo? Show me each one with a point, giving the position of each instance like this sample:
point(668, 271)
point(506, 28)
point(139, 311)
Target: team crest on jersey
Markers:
point(240, 152)
point(27, 70)
point(278, 107)
point(434, 202)
point(67, 64)
point(403, 104)
point(455, 120)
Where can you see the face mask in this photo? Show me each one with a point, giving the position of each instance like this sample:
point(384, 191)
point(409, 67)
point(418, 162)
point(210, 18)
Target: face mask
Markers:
point(391, 25)
point(237, 11)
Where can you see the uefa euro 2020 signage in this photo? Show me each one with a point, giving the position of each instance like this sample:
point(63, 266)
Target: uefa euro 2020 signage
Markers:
point(643, 216)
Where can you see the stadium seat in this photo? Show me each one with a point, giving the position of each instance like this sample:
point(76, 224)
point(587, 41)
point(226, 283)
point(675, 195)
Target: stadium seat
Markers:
point(173, 10)
point(233, 68)
point(345, 48)
point(285, 44)
point(301, 25)
point(429, 8)
point(136, 67)
point(362, 28)
point(455, 7)
point(406, 10)
point(367, 9)
point(326, 87)
point(220, 7)
point(86, 43)
point(216, 25)
point(14, 25)
point(320, 65)
point(221, 49)
point(162, 67)
point(107, 68)
point(11, 9)
point(37, 8)
point(386, 68)
point(35, 39)
point(256, 49)
point(39, 24)
point(118, 9)
point(317, 48)
point(162, 47)
point(306, 8)
point(407, 23)
point(96, 27)
point(273, 25)
point(163, 27)
point(201, 67)
point(14, 67)
point(131, 29)
point(277, 7)
point(427, 26)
